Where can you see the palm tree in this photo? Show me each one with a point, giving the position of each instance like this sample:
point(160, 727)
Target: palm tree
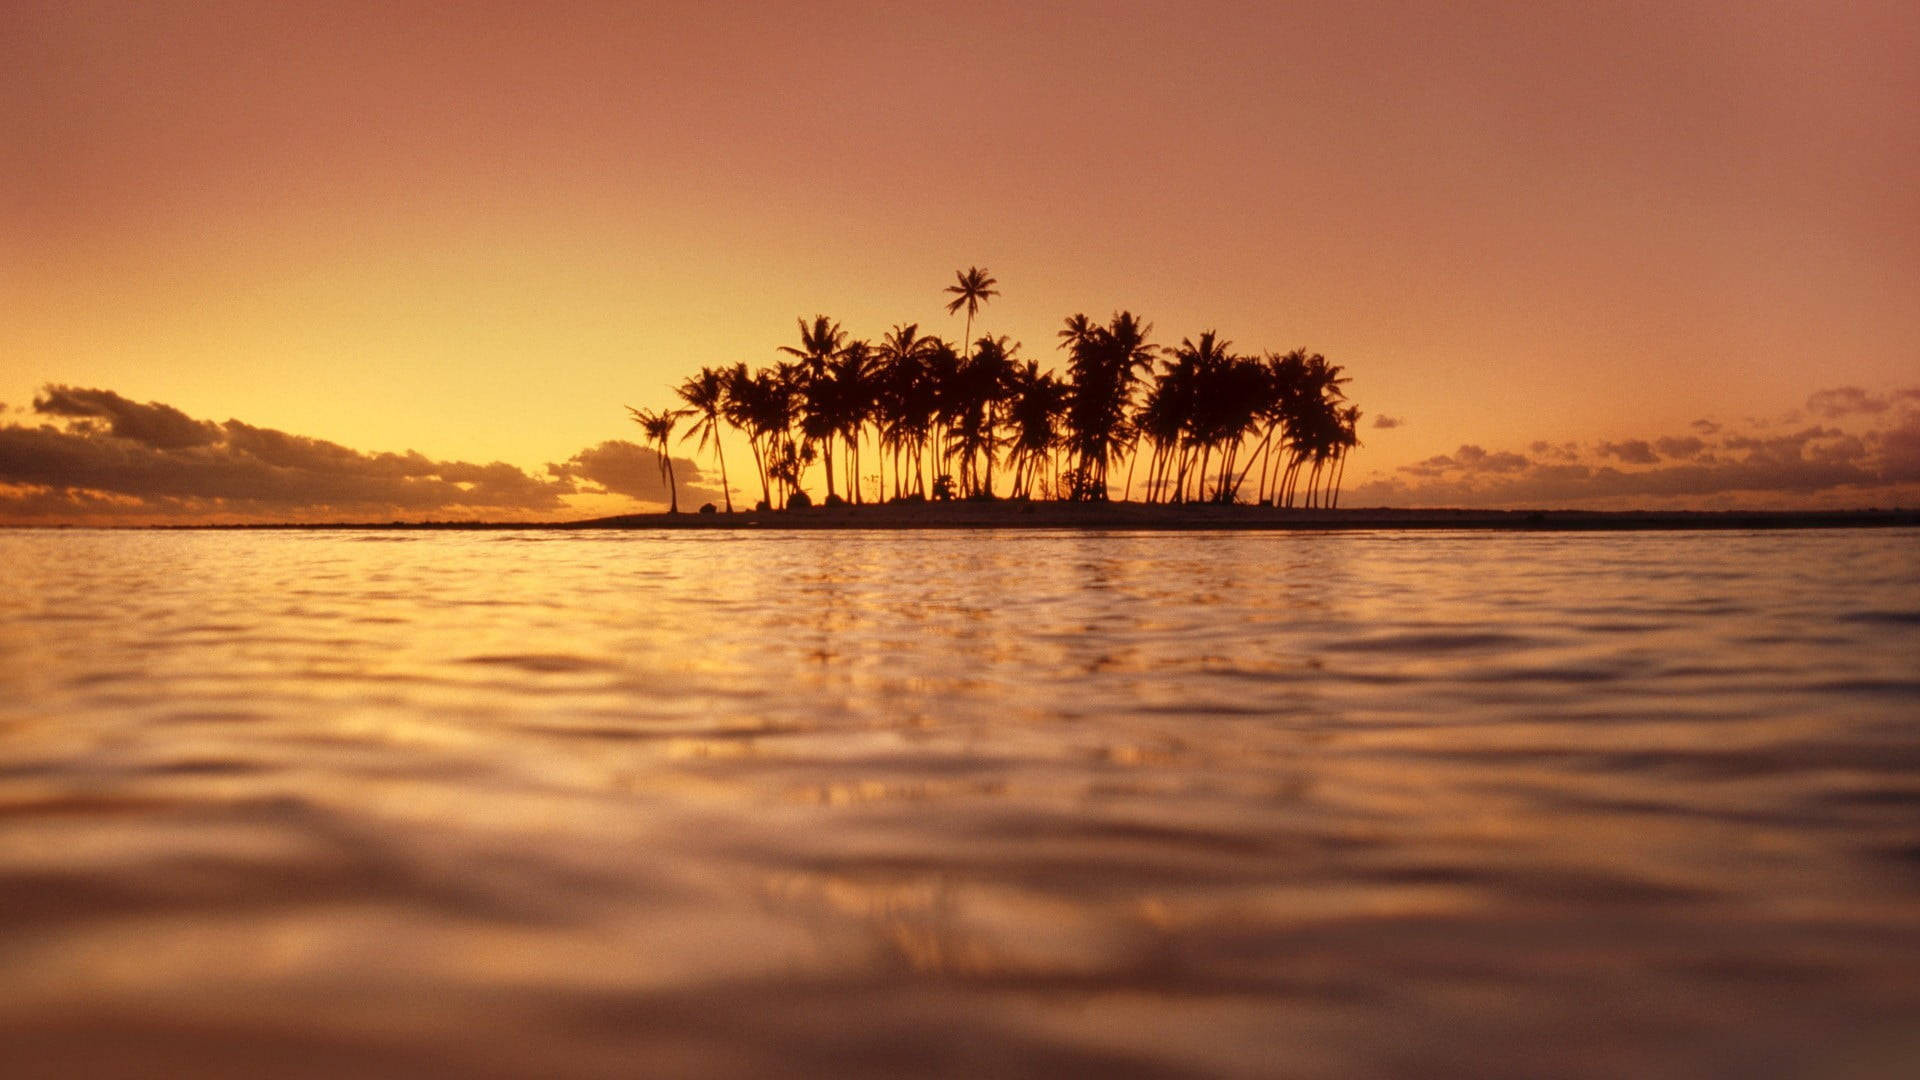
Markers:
point(1208, 417)
point(659, 428)
point(1105, 363)
point(900, 398)
point(706, 395)
point(941, 390)
point(1035, 403)
point(1348, 438)
point(969, 405)
point(971, 288)
point(1079, 328)
point(744, 405)
point(852, 374)
point(820, 344)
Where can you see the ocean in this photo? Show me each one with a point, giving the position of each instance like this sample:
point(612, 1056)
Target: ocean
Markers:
point(996, 803)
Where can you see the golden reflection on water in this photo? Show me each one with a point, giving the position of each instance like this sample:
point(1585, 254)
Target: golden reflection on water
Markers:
point(1009, 804)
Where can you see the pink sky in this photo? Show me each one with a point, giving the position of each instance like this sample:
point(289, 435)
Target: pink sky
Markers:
point(476, 231)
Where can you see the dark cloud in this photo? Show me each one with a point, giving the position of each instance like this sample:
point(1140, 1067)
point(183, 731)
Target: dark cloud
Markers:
point(1844, 400)
point(153, 424)
point(1900, 451)
point(1682, 446)
point(1560, 451)
point(1820, 464)
point(625, 468)
point(105, 455)
point(1474, 459)
point(1555, 485)
point(1632, 451)
point(1781, 448)
point(1386, 422)
point(1468, 459)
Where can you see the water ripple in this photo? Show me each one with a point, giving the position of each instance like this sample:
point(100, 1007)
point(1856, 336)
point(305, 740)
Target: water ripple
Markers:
point(1019, 804)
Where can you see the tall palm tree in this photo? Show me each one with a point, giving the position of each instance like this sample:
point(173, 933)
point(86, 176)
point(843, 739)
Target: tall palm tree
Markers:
point(820, 344)
point(659, 427)
point(744, 404)
point(900, 392)
point(706, 396)
point(988, 378)
point(972, 288)
point(1036, 401)
point(855, 393)
point(1105, 363)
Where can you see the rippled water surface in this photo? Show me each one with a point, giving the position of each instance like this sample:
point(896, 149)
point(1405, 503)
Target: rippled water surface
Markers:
point(986, 804)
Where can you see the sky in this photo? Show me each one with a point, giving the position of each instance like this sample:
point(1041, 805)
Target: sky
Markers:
point(312, 261)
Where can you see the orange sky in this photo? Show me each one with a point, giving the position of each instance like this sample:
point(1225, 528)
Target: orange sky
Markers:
point(476, 231)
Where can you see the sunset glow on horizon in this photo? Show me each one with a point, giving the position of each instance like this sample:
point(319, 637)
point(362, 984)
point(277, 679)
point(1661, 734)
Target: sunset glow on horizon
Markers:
point(1629, 255)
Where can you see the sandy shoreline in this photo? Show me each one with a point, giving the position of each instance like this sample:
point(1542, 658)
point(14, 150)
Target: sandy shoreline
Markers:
point(1008, 514)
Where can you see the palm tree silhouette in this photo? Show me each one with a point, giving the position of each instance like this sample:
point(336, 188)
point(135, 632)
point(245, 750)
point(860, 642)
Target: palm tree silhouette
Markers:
point(659, 427)
point(971, 288)
point(972, 406)
point(706, 395)
point(1035, 403)
point(943, 417)
point(852, 374)
point(902, 401)
point(819, 401)
point(1104, 365)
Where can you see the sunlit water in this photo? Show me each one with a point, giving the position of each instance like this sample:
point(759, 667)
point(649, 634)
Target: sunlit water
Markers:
point(988, 804)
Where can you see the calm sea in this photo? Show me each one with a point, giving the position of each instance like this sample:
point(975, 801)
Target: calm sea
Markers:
point(984, 804)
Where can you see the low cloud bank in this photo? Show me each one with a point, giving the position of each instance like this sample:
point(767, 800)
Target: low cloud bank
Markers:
point(622, 468)
point(1873, 461)
point(97, 456)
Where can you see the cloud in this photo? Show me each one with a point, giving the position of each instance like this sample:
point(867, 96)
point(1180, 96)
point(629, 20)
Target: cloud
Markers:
point(1384, 421)
point(97, 456)
point(1820, 464)
point(1900, 451)
point(625, 468)
point(1560, 452)
point(1633, 451)
point(1680, 446)
point(1844, 400)
point(1468, 459)
point(153, 424)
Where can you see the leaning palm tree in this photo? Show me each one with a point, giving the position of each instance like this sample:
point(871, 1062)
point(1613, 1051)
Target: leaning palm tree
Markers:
point(659, 427)
point(706, 397)
point(972, 288)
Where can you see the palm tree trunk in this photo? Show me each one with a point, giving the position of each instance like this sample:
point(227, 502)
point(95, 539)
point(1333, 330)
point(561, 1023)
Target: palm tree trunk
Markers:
point(726, 489)
point(1259, 454)
point(760, 467)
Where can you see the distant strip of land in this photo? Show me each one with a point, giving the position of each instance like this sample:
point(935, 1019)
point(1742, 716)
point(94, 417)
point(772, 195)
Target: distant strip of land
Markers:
point(1202, 517)
point(1014, 514)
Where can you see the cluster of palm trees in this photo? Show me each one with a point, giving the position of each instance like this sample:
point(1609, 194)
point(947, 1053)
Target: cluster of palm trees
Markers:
point(942, 422)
